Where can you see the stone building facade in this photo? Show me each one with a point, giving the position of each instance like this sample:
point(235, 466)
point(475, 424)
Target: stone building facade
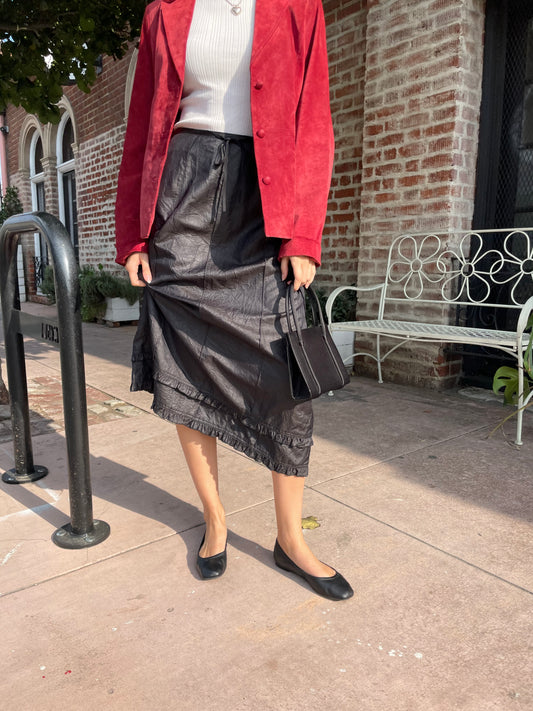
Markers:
point(412, 82)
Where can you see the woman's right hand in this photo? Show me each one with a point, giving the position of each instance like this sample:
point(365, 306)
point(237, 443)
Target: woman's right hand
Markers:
point(133, 262)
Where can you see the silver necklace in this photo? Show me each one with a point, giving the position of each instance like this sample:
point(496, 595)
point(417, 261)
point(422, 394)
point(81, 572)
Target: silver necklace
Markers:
point(235, 7)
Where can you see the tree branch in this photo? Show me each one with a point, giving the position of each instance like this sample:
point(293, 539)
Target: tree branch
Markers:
point(26, 28)
point(36, 26)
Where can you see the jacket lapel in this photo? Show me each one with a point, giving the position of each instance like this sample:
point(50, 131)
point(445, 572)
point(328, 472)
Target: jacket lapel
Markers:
point(177, 16)
point(267, 17)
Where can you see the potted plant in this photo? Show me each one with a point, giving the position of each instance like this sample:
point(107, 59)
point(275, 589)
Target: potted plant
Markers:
point(506, 378)
point(343, 310)
point(104, 296)
point(107, 296)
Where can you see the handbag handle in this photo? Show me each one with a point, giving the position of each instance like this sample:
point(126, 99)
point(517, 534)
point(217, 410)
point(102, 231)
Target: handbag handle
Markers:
point(315, 305)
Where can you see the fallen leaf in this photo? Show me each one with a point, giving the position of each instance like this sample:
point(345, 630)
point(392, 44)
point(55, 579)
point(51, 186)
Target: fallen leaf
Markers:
point(310, 522)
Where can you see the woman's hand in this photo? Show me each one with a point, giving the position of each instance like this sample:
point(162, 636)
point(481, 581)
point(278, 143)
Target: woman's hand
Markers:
point(303, 269)
point(133, 262)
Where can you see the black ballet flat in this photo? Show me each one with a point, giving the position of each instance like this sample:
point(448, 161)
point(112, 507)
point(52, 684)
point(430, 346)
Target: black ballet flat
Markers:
point(212, 566)
point(334, 587)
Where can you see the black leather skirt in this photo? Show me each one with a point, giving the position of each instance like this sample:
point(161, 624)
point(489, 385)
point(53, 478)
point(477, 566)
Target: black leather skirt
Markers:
point(209, 343)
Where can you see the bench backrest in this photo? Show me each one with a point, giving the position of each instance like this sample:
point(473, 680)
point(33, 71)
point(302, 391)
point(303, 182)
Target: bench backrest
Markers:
point(484, 267)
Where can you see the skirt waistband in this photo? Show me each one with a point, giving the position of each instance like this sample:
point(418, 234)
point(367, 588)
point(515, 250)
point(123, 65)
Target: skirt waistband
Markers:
point(221, 144)
point(216, 134)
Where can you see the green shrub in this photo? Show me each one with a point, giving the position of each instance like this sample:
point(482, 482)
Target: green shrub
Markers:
point(48, 286)
point(95, 286)
point(10, 204)
point(343, 306)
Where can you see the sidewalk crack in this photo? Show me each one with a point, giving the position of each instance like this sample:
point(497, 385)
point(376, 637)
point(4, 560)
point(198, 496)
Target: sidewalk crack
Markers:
point(425, 543)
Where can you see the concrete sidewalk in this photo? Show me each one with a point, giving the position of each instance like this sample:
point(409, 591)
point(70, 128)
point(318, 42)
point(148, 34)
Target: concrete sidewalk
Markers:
point(427, 516)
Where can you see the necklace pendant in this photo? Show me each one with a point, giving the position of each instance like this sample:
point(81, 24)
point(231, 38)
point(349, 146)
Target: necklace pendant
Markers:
point(235, 10)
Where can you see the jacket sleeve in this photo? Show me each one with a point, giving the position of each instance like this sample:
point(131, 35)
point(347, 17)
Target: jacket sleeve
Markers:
point(314, 147)
point(127, 207)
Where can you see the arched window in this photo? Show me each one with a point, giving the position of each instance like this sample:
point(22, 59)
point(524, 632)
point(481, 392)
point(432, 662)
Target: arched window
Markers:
point(66, 179)
point(37, 173)
point(38, 203)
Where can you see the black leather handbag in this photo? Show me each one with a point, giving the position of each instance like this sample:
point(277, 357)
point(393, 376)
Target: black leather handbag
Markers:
point(315, 364)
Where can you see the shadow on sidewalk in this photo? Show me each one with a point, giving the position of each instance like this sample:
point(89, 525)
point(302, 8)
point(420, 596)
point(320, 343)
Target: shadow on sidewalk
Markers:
point(434, 440)
point(126, 489)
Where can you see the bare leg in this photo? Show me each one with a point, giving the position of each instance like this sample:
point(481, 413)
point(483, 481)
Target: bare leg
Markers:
point(288, 498)
point(201, 454)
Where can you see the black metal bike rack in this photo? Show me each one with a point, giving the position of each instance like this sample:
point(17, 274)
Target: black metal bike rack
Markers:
point(65, 331)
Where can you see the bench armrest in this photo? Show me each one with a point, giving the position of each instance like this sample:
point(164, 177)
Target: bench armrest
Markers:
point(340, 289)
point(525, 312)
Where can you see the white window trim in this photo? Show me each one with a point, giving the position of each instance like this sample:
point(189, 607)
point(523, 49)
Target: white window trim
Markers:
point(35, 179)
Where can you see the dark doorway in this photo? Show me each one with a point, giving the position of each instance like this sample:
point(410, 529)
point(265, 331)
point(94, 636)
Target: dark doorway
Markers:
point(504, 182)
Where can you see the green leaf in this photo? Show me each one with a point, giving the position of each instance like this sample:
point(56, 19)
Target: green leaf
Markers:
point(10, 204)
point(507, 378)
point(87, 24)
point(310, 522)
point(528, 355)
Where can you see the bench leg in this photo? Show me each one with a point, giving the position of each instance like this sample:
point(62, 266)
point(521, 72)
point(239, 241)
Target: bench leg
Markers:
point(378, 352)
point(520, 402)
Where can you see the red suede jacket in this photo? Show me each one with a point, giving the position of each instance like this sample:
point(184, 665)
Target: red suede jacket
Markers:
point(291, 119)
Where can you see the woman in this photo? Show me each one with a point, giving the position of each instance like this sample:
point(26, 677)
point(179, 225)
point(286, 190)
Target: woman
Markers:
point(221, 198)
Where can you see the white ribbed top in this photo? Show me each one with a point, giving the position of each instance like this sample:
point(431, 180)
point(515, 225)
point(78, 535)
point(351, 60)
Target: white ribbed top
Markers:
point(216, 85)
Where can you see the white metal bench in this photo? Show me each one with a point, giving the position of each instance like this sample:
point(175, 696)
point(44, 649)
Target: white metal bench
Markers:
point(454, 272)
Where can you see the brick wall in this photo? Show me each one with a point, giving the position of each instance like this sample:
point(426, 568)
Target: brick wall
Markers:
point(101, 121)
point(346, 31)
point(421, 119)
point(98, 164)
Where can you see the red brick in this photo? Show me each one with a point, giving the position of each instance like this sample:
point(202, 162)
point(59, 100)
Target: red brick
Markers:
point(386, 197)
point(410, 180)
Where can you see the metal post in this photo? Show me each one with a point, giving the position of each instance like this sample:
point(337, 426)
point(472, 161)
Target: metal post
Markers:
point(24, 470)
point(82, 531)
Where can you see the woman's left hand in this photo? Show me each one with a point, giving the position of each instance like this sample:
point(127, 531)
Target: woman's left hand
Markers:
point(303, 269)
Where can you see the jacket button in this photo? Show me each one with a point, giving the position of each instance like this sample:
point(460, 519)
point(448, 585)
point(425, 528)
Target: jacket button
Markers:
point(267, 180)
point(260, 133)
point(258, 85)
